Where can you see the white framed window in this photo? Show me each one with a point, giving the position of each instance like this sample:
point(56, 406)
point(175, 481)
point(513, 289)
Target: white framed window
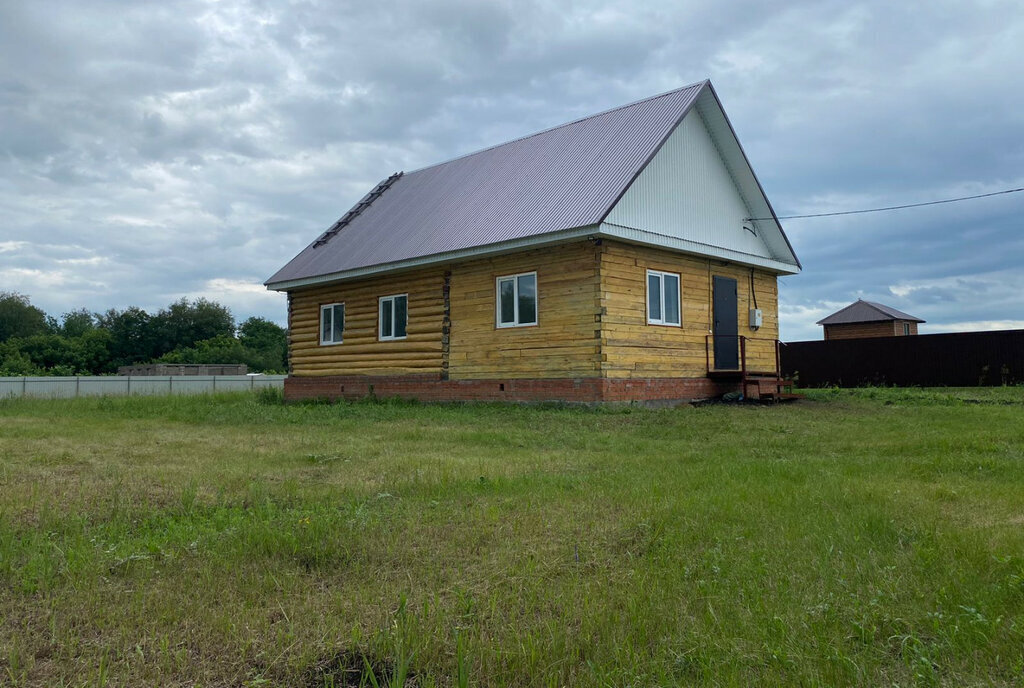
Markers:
point(393, 316)
point(663, 303)
point(332, 323)
point(516, 300)
point(906, 329)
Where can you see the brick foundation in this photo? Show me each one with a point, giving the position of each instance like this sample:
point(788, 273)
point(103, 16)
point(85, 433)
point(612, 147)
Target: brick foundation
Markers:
point(654, 391)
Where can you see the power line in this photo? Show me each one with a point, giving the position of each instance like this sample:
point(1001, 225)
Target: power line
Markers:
point(891, 207)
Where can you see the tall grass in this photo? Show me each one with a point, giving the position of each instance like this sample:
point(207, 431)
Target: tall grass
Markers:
point(857, 538)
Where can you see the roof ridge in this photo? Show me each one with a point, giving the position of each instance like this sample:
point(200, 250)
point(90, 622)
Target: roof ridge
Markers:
point(702, 84)
point(880, 307)
point(841, 310)
point(887, 313)
point(894, 313)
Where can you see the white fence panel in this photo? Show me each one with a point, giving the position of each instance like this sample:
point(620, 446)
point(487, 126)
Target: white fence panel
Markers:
point(11, 387)
point(71, 387)
point(234, 383)
point(268, 381)
point(50, 387)
point(194, 384)
point(103, 386)
point(149, 385)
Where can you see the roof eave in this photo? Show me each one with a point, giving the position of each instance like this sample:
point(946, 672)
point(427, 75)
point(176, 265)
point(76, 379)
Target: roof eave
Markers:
point(725, 115)
point(487, 250)
point(671, 243)
point(626, 234)
point(856, 322)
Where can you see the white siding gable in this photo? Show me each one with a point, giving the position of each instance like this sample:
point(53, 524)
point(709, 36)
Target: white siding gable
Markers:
point(687, 195)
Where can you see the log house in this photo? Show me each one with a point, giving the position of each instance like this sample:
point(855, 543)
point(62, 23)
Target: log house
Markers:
point(630, 256)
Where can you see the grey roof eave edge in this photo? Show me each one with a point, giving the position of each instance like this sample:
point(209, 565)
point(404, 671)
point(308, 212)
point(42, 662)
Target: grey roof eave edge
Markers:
point(870, 322)
point(484, 251)
point(604, 230)
point(775, 216)
point(640, 236)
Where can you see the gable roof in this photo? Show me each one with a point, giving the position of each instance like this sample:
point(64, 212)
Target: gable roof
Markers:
point(555, 185)
point(866, 311)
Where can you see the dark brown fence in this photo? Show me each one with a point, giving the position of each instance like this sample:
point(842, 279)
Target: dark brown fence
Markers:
point(962, 359)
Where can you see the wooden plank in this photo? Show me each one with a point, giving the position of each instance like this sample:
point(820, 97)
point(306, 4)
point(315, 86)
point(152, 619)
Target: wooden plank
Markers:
point(426, 349)
point(631, 346)
point(361, 352)
point(563, 343)
point(591, 311)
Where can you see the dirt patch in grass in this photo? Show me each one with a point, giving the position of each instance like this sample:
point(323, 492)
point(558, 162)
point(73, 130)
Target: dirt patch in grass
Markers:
point(353, 669)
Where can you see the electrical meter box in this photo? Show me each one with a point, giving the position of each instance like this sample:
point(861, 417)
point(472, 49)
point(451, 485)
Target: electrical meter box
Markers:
point(756, 317)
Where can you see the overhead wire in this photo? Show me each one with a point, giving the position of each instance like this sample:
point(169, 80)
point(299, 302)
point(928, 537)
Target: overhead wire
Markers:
point(891, 207)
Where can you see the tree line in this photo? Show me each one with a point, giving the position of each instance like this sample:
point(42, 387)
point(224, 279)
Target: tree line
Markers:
point(85, 343)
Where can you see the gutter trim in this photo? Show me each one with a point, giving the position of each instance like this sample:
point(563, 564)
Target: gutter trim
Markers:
point(438, 258)
point(604, 230)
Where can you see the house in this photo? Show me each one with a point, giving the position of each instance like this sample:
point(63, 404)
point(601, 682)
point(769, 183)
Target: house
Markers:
point(627, 256)
point(868, 319)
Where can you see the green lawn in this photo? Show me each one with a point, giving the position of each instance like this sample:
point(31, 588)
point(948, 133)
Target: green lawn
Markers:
point(871, 537)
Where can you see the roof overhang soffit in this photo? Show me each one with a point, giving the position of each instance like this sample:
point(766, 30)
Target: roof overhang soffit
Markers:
point(603, 231)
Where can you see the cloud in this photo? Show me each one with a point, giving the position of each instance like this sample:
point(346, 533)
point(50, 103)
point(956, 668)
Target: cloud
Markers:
point(151, 150)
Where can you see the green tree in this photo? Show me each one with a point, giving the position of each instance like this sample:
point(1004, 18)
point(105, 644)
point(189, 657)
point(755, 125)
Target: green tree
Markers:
point(220, 349)
point(224, 349)
point(76, 323)
point(268, 339)
point(13, 362)
point(46, 350)
point(184, 323)
point(18, 317)
point(91, 352)
point(132, 339)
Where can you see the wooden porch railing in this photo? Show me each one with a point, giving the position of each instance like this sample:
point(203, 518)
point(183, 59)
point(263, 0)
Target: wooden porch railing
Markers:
point(746, 345)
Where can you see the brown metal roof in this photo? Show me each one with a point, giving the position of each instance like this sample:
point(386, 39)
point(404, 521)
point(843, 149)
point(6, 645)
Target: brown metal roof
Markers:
point(866, 311)
point(566, 177)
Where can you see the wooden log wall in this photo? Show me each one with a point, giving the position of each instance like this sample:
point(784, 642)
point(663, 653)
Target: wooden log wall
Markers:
point(592, 319)
point(360, 352)
point(564, 343)
point(632, 348)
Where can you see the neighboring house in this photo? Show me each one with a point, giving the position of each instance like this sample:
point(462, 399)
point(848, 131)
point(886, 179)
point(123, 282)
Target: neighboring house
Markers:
point(613, 258)
point(868, 319)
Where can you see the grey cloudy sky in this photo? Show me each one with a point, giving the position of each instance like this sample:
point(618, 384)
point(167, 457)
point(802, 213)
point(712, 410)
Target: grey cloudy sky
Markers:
point(150, 151)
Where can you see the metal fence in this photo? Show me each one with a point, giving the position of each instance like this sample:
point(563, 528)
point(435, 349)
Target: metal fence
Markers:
point(962, 359)
point(132, 385)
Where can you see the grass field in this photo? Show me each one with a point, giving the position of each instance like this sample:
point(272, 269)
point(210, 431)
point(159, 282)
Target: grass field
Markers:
point(870, 537)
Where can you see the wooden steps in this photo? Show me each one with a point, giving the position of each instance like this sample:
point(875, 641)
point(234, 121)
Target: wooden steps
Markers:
point(768, 387)
point(755, 385)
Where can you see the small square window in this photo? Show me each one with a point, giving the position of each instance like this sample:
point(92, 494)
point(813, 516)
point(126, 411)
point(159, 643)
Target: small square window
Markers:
point(663, 302)
point(394, 316)
point(516, 297)
point(332, 323)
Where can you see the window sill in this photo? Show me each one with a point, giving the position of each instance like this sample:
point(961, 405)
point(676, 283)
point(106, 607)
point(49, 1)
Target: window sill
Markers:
point(515, 327)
